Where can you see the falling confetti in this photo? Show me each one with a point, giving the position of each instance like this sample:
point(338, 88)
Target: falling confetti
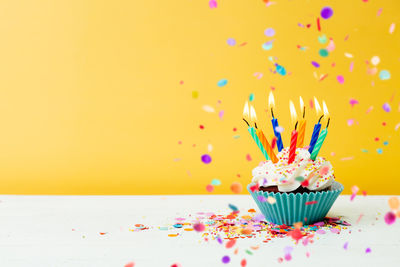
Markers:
point(323, 52)
point(130, 264)
point(236, 187)
point(375, 60)
point(222, 82)
point(195, 94)
point(326, 12)
point(353, 102)
point(206, 159)
point(379, 150)
point(394, 203)
point(267, 45)
point(212, 4)
point(269, 32)
point(384, 75)
point(345, 246)
point(216, 182)
point(208, 109)
point(248, 157)
point(391, 28)
point(226, 259)
point(281, 70)
point(315, 64)
point(340, 79)
point(386, 107)
point(209, 188)
point(390, 218)
point(368, 250)
point(199, 227)
point(231, 42)
point(251, 97)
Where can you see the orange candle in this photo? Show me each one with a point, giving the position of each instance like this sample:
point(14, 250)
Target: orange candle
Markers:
point(293, 140)
point(302, 125)
point(267, 146)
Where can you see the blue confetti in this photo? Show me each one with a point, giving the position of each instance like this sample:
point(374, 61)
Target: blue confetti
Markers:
point(251, 97)
point(233, 207)
point(386, 143)
point(216, 182)
point(384, 75)
point(364, 150)
point(178, 225)
point(379, 150)
point(231, 41)
point(222, 82)
point(281, 70)
point(267, 45)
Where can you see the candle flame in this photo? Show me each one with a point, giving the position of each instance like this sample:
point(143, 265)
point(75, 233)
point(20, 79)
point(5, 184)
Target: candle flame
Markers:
point(246, 112)
point(317, 107)
point(271, 100)
point(326, 112)
point(253, 116)
point(301, 104)
point(293, 113)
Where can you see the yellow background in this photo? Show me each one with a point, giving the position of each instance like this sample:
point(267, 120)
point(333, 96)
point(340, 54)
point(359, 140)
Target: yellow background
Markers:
point(91, 100)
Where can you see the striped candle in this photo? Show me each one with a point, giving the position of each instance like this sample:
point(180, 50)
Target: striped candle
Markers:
point(314, 137)
point(292, 150)
point(253, 133)
point(266, 146)
point(319, 143)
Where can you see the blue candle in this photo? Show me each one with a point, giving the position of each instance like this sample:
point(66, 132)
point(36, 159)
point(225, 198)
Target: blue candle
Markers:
point(314, 137)
point(279, 143)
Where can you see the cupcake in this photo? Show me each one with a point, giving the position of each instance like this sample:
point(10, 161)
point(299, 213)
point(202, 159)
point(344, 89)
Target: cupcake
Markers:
point(302, 191)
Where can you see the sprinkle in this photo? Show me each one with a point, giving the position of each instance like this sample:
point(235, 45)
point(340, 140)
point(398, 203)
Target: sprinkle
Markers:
point(281, 70)
point(178, 225)
point(251, 97)
point(199, 227)
point(230, 243)
point(368, 250)
point(315, 64)
point(216, 182)
point(386, 107)
point(212, 4)
point(384, 75)
point(369, 109)
point(206, 159)
point(391, 28)
point(318, 25)
point(311, 202)
point(348, 55)
point(209, 188)
point(390, 218)
point(226, 259)
point(208, 108)
point(340, 79)
point(233, 207)
point(351, 66)
point(222, 82)
point(231, 42)
point(326, 12)
point(269, 32)
point(236, 187)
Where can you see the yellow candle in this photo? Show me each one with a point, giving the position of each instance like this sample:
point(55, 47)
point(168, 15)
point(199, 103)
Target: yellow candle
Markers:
point(302, 125)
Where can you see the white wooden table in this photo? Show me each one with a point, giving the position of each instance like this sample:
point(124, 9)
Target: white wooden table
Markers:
point(65, 231)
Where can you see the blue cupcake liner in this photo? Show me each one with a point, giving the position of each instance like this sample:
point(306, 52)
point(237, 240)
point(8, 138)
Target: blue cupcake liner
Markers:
point(290, 208)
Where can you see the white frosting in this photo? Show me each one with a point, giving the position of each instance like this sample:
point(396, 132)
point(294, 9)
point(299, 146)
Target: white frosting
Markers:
point(283, 174)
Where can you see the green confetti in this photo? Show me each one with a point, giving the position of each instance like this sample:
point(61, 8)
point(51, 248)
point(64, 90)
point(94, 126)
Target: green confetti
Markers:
point(323, 52)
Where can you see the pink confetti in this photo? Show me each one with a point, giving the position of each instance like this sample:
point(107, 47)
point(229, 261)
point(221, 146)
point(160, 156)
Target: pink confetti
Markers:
point(221, 114)
point(391, 28)
point(353, 102)
point(258, 75)
point(379, 12)
point(199, 227)
point(213, 4)
point(397, 127)
point(359, 218)
point(335, 230)
point(209, 188)
point(248, 157)
point(368, 250)
point(340, 79)
point(345, 246)
point(347, 158)
point(129, 264)
point(351, 66)
point(390, 218)
point(321, 232)
point(370, 109)
point(350, 122)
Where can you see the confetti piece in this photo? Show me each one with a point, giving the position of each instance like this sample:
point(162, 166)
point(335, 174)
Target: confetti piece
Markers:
point(368, 250)
point(279, 129)
point(321, 232)
point(391, 28)
point(385, 143)
point(176, 265)
point(397, 127)
point(199, 227)
point(195, 94)
point(335, 230)
point(375, 60)
point(326, 12)
point(384, 75)
point(222, 82)
point(233, 207)
point(248, 157)
point(267, 45)
point(386, 107)
point(231, 42)
point(177, 225)
point(394, 203)
point(390, 218)
point(206, 159)
point(323, 52)
point(243, 263)
point(208, 108)
point(269, 32)
point(311, 202)
point(353, 102)
point(322, 39)
point(364, 150)
point(288, 250)
point(340, 79)
point(281, 70)
point(209, 188)
point(230, 243)
point(221, 114)
point(315, 64)
point(331, 46)
point(261, 198)
point(369, 109)
point(348, 55)
point(236, 187)
point(251, 97)
point(347, 158)
point(213, 4)
point(379, 12)
point(253, 188)
point(258, 75)
point(324, 170)
point(318, 25)
point(351, 66)
point(129, 264)
point(173, 235)
point(379, 150)
point(346, 245)
point(359, 218)
point(216, 182)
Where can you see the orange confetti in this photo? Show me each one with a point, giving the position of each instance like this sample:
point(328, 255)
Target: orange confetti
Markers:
point(251, 210)
point(246, 231)
point(230, 243)
point(173, 235)
point(236, 187)
point(394, 203)
point(188, 229)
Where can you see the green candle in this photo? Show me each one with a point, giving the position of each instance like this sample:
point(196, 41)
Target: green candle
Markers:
point(319, 143)
point(252, 131)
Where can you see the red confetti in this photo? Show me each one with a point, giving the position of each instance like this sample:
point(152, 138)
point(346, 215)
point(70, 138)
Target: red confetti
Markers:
point(253, 188)
point(296, 234)
point(201, 127)
point(318, 25)
point(230, 243)
point(209, 188)
point(248, 157)
point(102, 233)
point(234, 129)
point(130, 264)
point(305, 183)
point(243, 263)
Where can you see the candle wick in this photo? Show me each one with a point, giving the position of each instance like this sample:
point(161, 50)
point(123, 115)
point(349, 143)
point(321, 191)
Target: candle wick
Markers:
point(327, 124)
point(272, 112)
point(320, 119)
point(255, 125)
point(246, 122)
point(295, 126)
point(304, 112)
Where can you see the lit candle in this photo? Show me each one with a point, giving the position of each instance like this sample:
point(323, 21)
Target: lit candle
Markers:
point(317, 127)
point(252, 131)
point(274, 121)
point(293, 139)
point(302, 125)
point(261, 136)
point(323, 134)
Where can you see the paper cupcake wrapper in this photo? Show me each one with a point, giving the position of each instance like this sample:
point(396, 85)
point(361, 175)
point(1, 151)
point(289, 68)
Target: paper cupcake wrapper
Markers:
point(290, 208)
